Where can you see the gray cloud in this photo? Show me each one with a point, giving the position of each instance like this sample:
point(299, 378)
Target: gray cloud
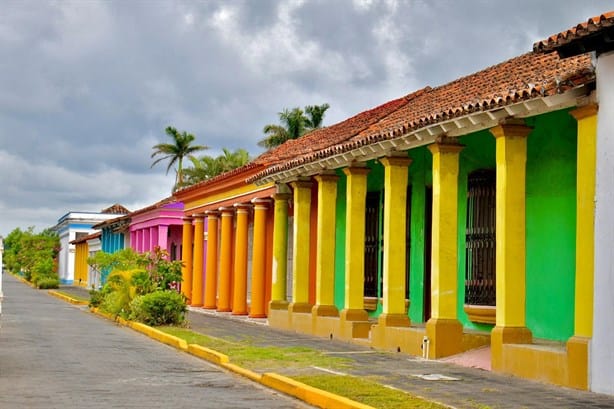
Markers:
point(88, 87)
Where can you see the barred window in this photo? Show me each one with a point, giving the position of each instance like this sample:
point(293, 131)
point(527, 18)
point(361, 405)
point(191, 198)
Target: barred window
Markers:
point(480, 271)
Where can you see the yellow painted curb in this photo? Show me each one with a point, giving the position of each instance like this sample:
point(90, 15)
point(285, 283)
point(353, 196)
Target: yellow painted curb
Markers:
point(159, 335)
point(309, 394)
point(249, 374)
point(67, 298)
point(283, 384)
point(208, 354)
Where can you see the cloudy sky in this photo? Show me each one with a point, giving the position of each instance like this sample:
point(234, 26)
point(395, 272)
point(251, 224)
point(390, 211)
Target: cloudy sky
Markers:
point(87, 87)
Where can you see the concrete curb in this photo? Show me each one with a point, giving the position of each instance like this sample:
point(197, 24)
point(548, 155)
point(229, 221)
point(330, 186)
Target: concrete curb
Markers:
point(280, 383)
point(309, 394)
point(66, 298)
point(23, 280)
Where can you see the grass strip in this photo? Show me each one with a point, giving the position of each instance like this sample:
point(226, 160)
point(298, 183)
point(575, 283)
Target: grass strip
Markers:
point(292, 359)
point(73, 296)
point(366, 391)
point(261, 358)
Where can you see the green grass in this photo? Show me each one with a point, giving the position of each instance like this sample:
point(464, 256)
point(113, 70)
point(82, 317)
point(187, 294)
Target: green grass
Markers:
point(298, 362)
point(73, 296)
point(367, 391)
point(262, 358)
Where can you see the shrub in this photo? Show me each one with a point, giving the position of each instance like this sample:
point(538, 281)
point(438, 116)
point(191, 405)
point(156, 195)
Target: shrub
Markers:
point(42, 269)
point(97, 296)
point(47, 282)
point(159, 308)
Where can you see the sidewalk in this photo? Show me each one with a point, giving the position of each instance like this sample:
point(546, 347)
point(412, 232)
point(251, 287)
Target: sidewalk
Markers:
point(457, 386)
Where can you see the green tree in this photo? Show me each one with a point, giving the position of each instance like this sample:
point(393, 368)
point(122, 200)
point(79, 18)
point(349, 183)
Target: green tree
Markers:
point(174, 152)
point(206, 166)
point(293, 124)
point(32, 254)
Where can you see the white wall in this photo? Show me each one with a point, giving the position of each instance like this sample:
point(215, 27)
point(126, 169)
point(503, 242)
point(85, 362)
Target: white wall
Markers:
point(602, 347)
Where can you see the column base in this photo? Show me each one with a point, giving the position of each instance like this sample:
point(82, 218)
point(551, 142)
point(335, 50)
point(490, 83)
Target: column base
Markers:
point(393, 320)
point(506, 335)
point(445, 337)
point(354, 323)
point(239, 313)
point(577, 361)
point(209, 307)
point(224, 309)
point(279, 317)
point(300, 317)
point(299, 307)
point(324, 311)
point(197, 304)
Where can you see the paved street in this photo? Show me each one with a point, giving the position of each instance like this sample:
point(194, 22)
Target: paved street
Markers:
point(54, 355)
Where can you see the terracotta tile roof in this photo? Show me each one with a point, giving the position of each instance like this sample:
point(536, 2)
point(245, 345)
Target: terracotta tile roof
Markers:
point(582, 30)
point(245, 168)
point(522, 78)
point(94, 235)
point(321, 139)
point(115, 209)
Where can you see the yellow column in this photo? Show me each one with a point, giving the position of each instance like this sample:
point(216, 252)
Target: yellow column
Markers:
point(257, 305)
point(511, 145)
point(197, 267)
point(395, 205)
point(239, 294)
point(280, 252)
point(211, 268)
point(325, 262)
point(223, 303)
point(577, 346)
point(300, 251)
point(186, 258)
point(443, 329)
point(355, 244)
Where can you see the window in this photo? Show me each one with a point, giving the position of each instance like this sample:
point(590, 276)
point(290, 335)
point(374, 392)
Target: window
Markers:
point(480, 270)
point(372, 244)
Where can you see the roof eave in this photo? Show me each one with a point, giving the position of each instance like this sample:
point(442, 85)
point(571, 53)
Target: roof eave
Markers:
point(454, 127)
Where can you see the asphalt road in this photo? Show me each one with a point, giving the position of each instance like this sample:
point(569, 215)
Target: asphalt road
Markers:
point(55, 355)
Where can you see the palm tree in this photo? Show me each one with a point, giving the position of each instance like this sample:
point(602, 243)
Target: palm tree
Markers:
point(293, 124)
point(315, 115)
point(206, 166)
point(176, 151)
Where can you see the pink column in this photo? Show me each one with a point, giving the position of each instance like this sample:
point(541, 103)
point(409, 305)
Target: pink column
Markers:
point(133, 239)
point(162, 239)
point(154, 237)
point(146, 239)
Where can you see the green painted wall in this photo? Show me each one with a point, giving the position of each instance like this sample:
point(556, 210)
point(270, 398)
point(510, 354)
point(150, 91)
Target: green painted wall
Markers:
point(420, 176)
point(340, 241)
point(551, 225)
point(478, 153)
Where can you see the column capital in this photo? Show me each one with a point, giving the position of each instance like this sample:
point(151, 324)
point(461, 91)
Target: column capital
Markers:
point(242, 207)
point(261, 203)
point(395, 161)
point(305, 184)
point(282, 197)
point(445, 147)
point(326, 177)
point(356, 170)
point(584, 111)
point(198, 217)
point(227, 211)
point(212, 214)
point(186, 220)
point(511, 130)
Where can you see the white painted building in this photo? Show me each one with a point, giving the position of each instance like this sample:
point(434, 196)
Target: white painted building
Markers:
point(74, 225)
point(93, 276)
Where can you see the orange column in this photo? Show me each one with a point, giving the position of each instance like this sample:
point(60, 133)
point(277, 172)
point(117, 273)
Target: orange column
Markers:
point(223, 304)
point(239, 301)
point(257, 308)
point(186, 258)
point(197, 267)
point(211, 269)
